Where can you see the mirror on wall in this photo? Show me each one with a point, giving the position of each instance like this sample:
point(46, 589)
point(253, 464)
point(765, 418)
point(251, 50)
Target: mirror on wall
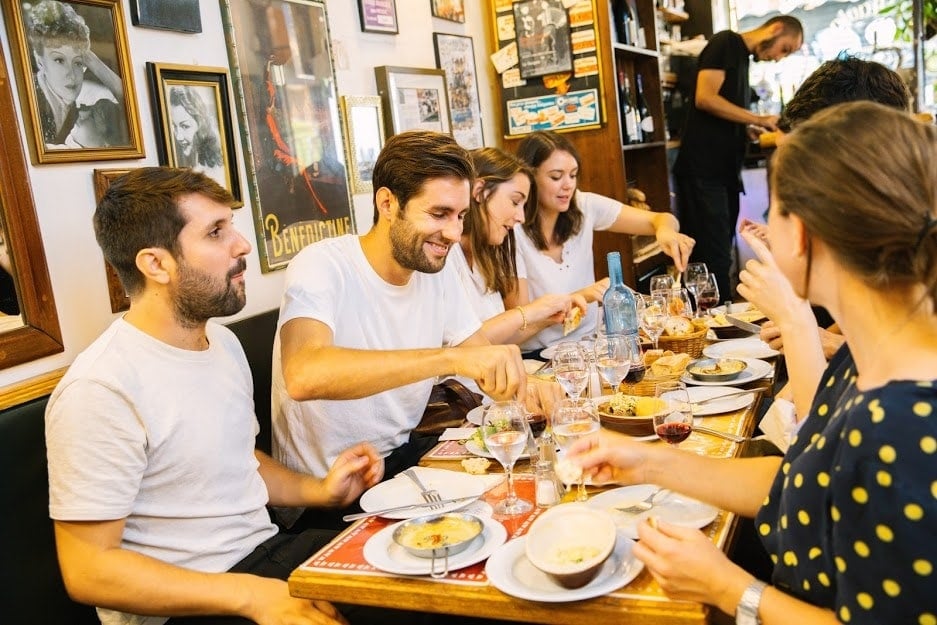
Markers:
point(32, 331)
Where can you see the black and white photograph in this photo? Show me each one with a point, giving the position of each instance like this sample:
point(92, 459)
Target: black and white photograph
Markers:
point(74, 69)
point(543, 37)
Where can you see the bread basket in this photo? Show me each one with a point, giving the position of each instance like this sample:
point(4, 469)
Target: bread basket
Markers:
point(691, 344)
point(646, 386)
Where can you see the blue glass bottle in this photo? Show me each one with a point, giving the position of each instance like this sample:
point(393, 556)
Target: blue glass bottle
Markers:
point(621, 315)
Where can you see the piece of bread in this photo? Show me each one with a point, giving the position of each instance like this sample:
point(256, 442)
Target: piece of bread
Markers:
point(670, 365)
point(651, 355)
point(476, 466)
point(678, 326)
point(567, 472)
point(572, 320)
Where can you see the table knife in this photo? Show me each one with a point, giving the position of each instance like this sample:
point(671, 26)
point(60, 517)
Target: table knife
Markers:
point(743, 325)
point(422, 504)
point(725, 396)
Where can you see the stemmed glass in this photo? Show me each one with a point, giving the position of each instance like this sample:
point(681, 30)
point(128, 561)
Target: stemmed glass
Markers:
point(505, 430)
point(674, 421)
point(707, 294)
point(662, 282)
point(613, 358)
point(571, 368)
point(678, 303)
point(573, 420)
point(652, 315)
point(696, 276)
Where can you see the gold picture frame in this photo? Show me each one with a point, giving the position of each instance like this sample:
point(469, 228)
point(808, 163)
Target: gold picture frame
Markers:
point(364, 125)
point(77, 107)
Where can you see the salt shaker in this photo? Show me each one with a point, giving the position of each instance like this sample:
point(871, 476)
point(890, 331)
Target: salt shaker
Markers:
point(545, 485)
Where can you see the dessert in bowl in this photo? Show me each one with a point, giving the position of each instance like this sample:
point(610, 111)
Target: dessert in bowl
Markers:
point(570, 542)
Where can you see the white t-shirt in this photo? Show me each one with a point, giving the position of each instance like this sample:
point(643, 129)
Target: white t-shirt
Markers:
point(164, 438)
point(573, 272)
point(333, 282)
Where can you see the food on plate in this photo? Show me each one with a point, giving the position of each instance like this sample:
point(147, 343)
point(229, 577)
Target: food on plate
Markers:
point(678, 326)
point(751, 316)
point(425, 535)
point(572, 320)
point(568, 472)
point(719, 366)
point(476, 466)
point(670, 365)
point(571, 558)
point(478, 436)
point(622, 405)
point(573, 555)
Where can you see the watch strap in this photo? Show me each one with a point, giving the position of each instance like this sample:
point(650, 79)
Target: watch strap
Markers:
point(747, 611)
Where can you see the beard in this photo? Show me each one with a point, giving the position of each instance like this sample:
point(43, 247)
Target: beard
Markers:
point(198, 296)
point(407, 249)
point(762, 47)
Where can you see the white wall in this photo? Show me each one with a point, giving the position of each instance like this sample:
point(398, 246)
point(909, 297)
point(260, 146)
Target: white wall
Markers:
point(64, 194)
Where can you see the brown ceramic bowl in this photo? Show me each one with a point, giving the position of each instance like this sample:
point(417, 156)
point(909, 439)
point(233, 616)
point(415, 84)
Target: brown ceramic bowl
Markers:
point(626, 424)
point(570, 542)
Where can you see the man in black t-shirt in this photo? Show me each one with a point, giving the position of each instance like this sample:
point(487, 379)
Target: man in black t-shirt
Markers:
point(708, 167)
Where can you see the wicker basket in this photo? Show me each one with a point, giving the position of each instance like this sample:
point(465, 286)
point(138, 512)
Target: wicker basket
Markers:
point(691, 344)
point(646, 386)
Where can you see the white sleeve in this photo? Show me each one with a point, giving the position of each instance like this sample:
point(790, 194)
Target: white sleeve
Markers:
point(461, 319)
point(312, 281)
point(602, 211)
point(521, 263)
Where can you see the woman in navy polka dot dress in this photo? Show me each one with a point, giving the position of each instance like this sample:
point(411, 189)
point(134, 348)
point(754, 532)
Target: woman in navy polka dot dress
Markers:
point(849, 515)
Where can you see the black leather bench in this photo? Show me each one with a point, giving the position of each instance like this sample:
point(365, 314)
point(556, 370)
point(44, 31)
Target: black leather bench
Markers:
point(31, 588)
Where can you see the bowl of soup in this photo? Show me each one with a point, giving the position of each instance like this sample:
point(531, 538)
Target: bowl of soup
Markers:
point(439, 535)
point(570, 543)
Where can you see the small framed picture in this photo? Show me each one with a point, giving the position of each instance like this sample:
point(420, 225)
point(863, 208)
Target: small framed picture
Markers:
point(192, 115)
point(455, 54)
point(179, 15)
point(452, 10)
point(73, 65)
point(414, 98)
point(543, 38)
point(378, 16)
point(364, 128)
point(115, 290)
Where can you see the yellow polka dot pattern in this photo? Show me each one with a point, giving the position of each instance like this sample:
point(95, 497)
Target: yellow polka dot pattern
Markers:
point(875, 409)
point(922, 567)
point(844, 614)
point(861, 548)
point(927, 619)
point(860, 495)
point(814, 553)
point(887, 454)
point(921, 409)
point(891, 588)
point(798, 480)
point(803, 517)
point(823, 410)
point(884, 533)
point(913, 512)
point(855, 438)
point(883, 478)
point(840, 564)
point(928, 444)
point(865, 600)
point(823, 479)
point(824, 579)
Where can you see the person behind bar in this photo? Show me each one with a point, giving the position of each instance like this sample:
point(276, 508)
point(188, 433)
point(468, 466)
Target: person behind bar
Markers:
point(368, 322)
point(157, 493)
point(848, 515)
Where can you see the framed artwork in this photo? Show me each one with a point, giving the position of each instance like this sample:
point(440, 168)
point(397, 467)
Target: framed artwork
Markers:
point(452, 10)
point(75, 77)
point(179, 15)
point(291, 135)
point(115, 290)
point(365, 138)
point(455, 55)
point(192, 116)
point(378, 16)
point(542, 33)
point(414, 98)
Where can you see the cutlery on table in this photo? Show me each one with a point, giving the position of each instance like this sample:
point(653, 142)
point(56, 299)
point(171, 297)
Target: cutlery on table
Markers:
point(432, 505)
point(430, 495)
point(743, 325)
point(643, 506)
point(708, 400)
point(735, 438)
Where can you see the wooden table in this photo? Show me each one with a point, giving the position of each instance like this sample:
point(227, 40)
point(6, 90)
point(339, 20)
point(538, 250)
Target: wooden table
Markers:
point(641, 601)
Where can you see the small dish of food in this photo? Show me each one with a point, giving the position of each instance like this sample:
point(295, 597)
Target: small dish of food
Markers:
point(716, 369)
point(630, 414)
point(570, 542)
point(438, 536)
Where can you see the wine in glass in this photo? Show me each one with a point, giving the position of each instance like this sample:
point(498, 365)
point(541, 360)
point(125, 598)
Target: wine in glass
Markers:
point(652, 315)
point(571, 368)
point(505, 431)
point(707, 295)
point(673, 422)
point(573, 420)
point(613, 358)
point(696, 275)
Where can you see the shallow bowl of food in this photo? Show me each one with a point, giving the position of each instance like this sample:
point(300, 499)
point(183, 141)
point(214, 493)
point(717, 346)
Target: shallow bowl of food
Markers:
point(438, 535)
point(570, 542)
point(716, 369)
point(721, 327)
point(630, 414)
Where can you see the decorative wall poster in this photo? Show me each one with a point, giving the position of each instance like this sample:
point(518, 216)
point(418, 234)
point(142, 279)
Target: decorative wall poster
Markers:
point(291, 133)
point(554, 100)
point(456, 55)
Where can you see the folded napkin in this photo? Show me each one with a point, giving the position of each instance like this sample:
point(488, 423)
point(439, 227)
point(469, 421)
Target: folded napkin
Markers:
point(780, 423)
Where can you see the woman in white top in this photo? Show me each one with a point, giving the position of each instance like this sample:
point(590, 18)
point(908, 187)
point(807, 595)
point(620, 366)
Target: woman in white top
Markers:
point(485, 257)
point(555, 242)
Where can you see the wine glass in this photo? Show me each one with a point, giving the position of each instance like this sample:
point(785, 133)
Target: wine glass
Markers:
point(652, 315)
point(673, 422)
point(636, 370)
point(696, 275)
point(678, 303)
point(573, 420)
point(662, 282)
point(707, 294)
point(571, 368)
point(505, 431)
point(613, 358)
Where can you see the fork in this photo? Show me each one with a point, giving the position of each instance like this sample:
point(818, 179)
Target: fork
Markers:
point(430, 495)
point(735, 438)
point(645, 505)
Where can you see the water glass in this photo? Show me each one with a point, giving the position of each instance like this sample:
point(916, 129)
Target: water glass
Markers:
point(571, 368)
point(652, 315)
point(506, 433)
point(613, 358)
point(573, 420)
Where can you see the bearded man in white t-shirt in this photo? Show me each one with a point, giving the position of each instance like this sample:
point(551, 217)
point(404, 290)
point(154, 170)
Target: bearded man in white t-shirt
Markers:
point(368, 322)
point(157, 493)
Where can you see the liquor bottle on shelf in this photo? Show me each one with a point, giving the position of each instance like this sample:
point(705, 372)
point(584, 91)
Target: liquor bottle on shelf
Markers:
point(618, 303)
point(623, 22)
point(629, 117)
point(644, 113)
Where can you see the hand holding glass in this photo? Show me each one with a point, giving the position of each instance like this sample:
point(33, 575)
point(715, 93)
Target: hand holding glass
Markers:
point(573, 420)
point(505, 431)
point(674, 422)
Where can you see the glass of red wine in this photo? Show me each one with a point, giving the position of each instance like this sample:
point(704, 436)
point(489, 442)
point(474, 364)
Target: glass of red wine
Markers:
point(707, 295)
point(673, 422)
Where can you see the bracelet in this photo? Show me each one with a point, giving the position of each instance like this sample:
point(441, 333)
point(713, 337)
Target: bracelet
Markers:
point(520, 309)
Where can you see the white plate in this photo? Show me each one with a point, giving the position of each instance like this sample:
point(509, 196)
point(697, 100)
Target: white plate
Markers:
point(474, 416)
point(737, 307)
point(752, 347)
point(383, 553)
point(755, 370)
point(670, 507)
point(510, 571)
point(717, 406)
point(473, 448)
point(400, 491)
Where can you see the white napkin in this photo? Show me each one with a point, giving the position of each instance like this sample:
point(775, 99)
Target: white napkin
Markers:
point(457, 434)
point(780, 423)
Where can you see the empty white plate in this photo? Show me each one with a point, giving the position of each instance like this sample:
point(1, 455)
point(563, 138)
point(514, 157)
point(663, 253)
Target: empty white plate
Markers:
point(752, 347)
point(669, 507)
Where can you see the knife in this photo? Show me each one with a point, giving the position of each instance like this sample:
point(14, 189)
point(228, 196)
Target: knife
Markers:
point(724, 396)
point(743, 325)
point(422, 504)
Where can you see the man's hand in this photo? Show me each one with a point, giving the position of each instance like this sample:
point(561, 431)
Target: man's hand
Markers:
point(354, 471)
point(498, 370)
point(271, 604)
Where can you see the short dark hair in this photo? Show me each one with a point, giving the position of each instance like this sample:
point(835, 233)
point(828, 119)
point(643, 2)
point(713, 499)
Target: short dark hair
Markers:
point(140, 209)
point(410, 159)
point(845, 79)
point(790, 25)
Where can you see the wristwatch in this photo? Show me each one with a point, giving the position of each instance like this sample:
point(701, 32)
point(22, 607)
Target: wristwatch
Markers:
point(747, 611)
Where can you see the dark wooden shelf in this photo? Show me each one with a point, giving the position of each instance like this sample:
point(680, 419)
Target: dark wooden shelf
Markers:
point(672, 16)
point(636, 50)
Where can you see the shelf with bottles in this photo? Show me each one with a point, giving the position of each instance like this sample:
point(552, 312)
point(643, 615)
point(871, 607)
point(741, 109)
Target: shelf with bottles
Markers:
point(633, 26)
point(639, 103)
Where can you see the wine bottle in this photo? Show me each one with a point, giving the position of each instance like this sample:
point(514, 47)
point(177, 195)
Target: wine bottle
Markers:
point(624, 22)
point(644, 113)
point(629, 118)
point(621, 315)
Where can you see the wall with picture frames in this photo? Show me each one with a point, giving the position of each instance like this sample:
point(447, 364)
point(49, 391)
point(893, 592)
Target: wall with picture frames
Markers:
point(64, 193)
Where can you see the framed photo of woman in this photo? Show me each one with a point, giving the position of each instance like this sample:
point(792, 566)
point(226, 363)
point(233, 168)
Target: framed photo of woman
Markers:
point(73, 67)
point(192, 113)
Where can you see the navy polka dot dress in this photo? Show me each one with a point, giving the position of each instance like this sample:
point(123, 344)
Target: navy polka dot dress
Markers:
point(851, 520)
